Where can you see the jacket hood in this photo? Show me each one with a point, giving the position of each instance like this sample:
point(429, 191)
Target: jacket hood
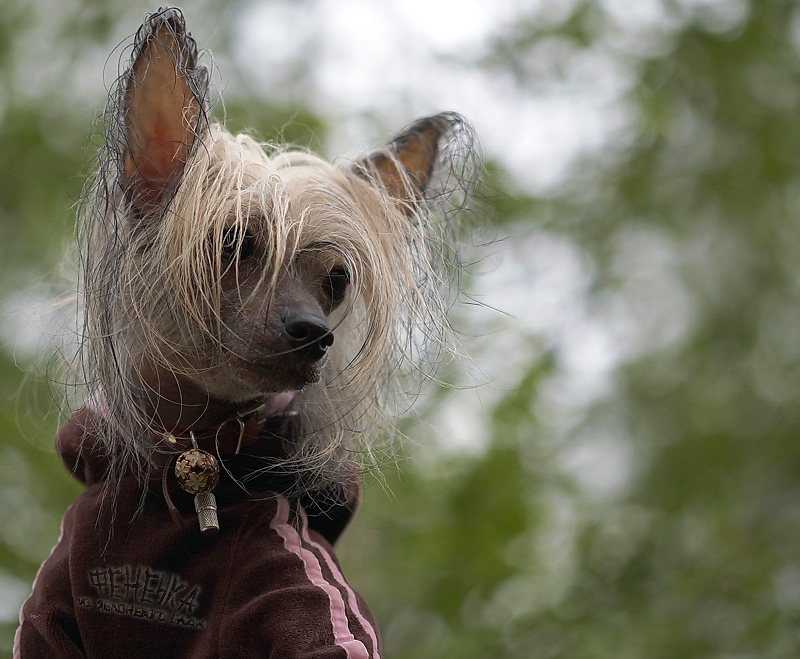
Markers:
point(80, 450)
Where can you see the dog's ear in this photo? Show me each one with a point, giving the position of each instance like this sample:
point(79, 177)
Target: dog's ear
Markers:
point(405, 166)
point(164, 113)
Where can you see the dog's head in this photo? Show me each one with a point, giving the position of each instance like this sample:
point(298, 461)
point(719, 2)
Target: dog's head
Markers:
point(243, 270)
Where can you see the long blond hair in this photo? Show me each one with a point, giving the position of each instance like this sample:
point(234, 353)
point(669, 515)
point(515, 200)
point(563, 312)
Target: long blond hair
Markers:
point(151, 280)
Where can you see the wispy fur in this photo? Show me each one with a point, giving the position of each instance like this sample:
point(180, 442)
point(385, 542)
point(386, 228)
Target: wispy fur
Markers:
point(151, 283)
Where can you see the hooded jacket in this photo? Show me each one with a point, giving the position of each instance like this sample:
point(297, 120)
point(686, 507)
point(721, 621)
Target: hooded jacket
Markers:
point(267, 585)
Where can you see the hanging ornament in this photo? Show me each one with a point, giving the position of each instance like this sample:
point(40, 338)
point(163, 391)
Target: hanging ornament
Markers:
point(197, 473)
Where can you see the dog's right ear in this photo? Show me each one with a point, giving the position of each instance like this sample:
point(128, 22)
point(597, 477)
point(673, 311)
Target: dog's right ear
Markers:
point(164, 113)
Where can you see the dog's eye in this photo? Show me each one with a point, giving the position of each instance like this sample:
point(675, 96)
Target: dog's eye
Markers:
point(236, 246)
point(335, 284)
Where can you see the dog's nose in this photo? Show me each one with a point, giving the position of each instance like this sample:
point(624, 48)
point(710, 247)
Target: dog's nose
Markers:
point(309, 334)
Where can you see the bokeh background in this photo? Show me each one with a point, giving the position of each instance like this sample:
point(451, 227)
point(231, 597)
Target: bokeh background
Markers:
point(617, 472)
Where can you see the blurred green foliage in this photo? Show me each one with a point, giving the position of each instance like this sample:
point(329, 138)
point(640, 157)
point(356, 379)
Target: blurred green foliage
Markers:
point(687, 227)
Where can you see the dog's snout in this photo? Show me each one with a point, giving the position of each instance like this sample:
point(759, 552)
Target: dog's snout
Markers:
point(309, 334)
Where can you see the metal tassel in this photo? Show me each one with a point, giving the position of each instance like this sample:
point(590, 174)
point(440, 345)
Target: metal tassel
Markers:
point(206, 506)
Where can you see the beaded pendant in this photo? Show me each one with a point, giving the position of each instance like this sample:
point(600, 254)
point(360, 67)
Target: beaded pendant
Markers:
point(197, 472)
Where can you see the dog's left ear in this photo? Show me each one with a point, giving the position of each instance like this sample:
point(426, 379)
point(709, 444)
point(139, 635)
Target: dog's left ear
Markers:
point(164, 109)
point(406, 165)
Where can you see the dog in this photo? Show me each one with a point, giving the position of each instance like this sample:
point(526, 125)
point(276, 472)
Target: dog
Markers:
point(246, 310)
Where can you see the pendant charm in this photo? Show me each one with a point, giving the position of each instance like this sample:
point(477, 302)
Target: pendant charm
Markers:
point(197, 473)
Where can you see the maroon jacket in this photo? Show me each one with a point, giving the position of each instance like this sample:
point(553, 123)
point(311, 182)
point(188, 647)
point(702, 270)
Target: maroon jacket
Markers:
point(268, 585)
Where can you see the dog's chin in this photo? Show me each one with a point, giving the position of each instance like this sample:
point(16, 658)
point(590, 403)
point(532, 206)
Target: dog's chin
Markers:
point(266, 378)
point(239, 380)
point(270, 381)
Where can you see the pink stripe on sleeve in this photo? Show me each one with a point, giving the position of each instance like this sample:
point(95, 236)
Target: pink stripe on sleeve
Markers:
point(352, 600)
point(343, 637)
